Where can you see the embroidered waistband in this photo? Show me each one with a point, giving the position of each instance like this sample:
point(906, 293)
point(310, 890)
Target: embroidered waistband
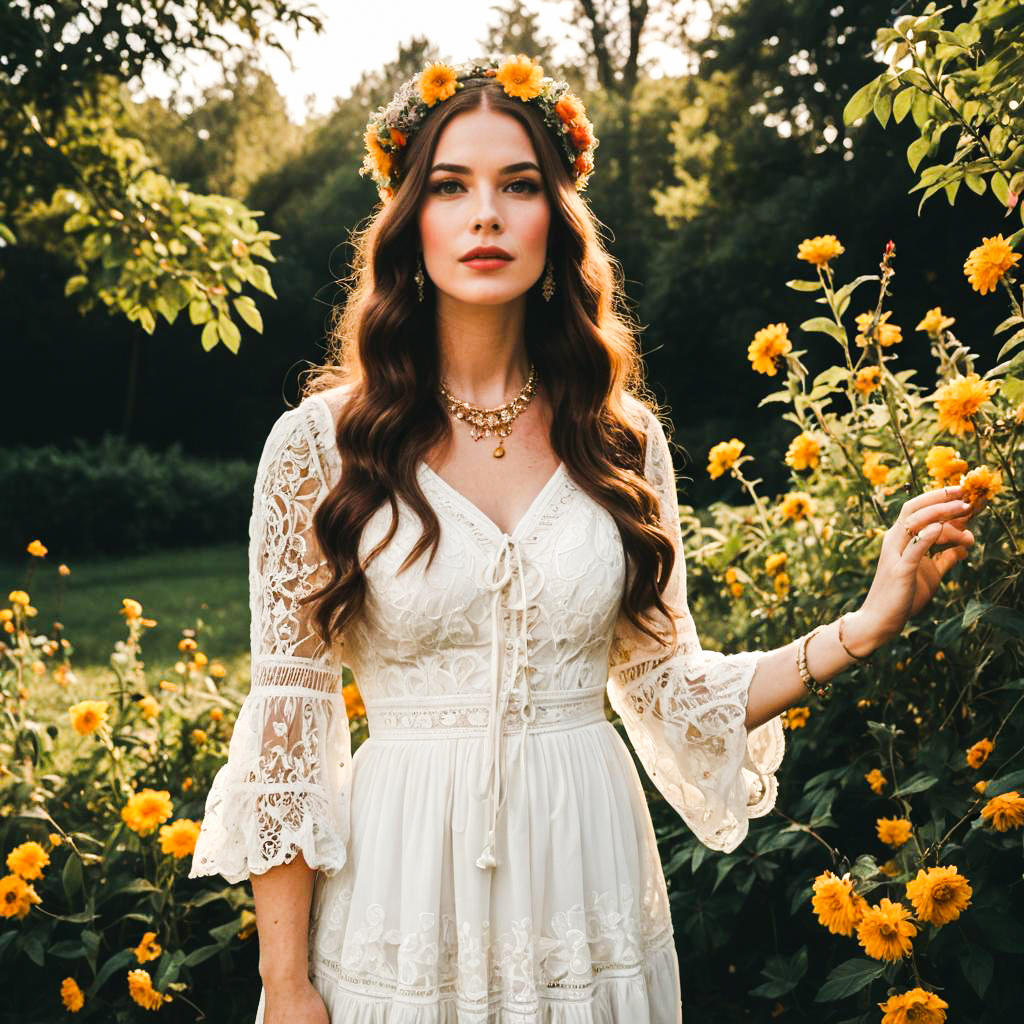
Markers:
point(467, 714)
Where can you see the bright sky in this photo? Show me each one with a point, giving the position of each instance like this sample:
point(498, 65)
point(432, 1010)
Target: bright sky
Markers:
point(359, 36)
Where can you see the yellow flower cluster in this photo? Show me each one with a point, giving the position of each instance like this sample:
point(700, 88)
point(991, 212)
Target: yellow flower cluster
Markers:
point(796, 506)
point(354, 706)
point(28, 860)
point(146, 810)
point(180, 837)
point(796, 718)
point(1005, 811)
point(723, 456)
point(37, 548)
point(876, 780)
point(939, 895)
point(981, 484)
point(820, 250)
point(874, 469)
point(71, 995)
point(977, 754)
point(893, 831)
point(934, 322)
point(804, 452)
point(885, 334)
point(915, 1006)
point(959, 401)
point(140, 987)
point(868, 379)
point(148, 949)
point(885, 931)
point(945, 465)
point(769, 345)
point(88, 715)
point(837, 905)
point(986, 265)
point(17, 897)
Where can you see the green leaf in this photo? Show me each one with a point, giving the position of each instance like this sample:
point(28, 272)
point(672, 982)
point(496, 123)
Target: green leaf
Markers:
point(975, 182)
point(783, 974)
point(1012, 780)
point(168, 969)
point(882, 106)
point(69, 949)
point(848, 289)
point(860, 102)
point(803, 286)
point(199, 311)
point(147, 320)
point(260, 278)
point(848, 978)
point(977, 964)
point(1000, 187)
point(249, 313)
point(203, 953)
point(32, 947)
point(1011, 343)
point(917, 784)
point(7, 235)
point(210, 335)
point(115, 963)
point(917, 151)
point(822, 325)
point(901, 105)
point(229, 332)
point(71, 876)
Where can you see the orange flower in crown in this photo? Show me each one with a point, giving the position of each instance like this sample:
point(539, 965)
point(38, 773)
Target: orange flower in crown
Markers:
point(392, 126)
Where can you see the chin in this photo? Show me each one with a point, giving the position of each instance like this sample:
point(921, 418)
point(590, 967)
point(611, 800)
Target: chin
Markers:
point(488, 294)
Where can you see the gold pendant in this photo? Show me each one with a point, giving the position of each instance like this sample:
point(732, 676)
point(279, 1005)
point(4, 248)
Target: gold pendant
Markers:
point(498, 452)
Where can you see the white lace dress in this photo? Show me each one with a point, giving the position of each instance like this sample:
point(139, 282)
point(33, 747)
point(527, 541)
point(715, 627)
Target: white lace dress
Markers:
point(487, 855)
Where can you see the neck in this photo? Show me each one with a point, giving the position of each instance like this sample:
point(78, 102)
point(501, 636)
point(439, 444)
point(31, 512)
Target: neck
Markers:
point(482, 350)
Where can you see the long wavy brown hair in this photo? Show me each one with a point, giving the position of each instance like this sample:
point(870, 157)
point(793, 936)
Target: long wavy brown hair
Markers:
point(383, 348)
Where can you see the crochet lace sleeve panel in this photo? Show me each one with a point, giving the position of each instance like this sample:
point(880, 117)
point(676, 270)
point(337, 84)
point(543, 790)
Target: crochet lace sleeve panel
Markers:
point(285, 786)
point(684, 710)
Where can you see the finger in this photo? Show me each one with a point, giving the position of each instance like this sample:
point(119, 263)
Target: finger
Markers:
point(947, 494)
point(946, 559)
point(944, 511)
point(917, 546)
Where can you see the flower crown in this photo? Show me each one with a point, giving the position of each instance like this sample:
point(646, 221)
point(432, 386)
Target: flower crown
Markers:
point(391, 127)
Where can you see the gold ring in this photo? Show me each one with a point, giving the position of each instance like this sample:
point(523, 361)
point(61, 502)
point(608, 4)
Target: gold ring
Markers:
point(909, 532)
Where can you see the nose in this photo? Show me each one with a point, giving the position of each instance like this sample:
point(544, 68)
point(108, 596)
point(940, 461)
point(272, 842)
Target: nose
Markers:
point(486, 216)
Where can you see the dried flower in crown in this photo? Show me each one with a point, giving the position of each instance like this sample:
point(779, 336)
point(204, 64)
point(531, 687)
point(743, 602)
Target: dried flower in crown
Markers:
point(391, 127)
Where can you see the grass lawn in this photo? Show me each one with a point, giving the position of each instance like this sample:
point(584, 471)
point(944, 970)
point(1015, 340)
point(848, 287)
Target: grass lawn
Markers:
point(200, 588)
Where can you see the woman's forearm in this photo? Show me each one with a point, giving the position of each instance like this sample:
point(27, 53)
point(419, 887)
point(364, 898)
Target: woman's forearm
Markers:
point(776, 683)
point(282, 896)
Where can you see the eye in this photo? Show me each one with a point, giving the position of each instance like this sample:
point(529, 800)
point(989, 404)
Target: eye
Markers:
point(530, 185)
point(438, 187)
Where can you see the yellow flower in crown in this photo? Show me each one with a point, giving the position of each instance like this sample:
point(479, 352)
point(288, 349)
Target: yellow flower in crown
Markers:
point(437, 82)
point(521, 77)
point(391, 127)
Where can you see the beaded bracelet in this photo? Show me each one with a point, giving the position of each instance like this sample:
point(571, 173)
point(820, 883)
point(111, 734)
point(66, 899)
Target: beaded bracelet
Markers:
point(823, 690)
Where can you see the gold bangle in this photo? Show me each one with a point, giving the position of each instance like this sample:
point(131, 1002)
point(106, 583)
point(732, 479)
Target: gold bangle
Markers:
point(856, 657)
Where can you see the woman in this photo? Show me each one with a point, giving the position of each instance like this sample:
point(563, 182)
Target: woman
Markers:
point(488, 854)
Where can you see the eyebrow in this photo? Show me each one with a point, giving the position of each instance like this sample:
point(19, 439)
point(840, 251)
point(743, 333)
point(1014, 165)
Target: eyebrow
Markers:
point(526, 165)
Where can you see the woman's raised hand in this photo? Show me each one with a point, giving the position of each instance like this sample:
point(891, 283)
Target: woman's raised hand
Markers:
point(295, 1004)
point(905, 580)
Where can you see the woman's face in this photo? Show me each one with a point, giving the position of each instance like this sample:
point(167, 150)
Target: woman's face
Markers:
point(484, 190)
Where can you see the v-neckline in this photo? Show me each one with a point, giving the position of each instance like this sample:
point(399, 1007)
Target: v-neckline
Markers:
point(475, 511)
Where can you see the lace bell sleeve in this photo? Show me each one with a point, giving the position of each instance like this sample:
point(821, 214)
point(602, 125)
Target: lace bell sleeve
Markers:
point(285, 786)
point(684, 710)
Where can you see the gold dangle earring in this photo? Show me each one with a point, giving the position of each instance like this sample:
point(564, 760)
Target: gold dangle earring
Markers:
point(548, 286)
point(418, 277)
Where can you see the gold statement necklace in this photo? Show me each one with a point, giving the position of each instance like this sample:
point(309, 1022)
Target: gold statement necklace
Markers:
point(497, 421)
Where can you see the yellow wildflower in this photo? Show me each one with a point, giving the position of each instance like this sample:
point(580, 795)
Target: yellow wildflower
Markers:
point(796, 506)
point(36, 548)
point(890, 869)
point(939, 894)
point(915, 1006)
point(735, 589)
point(977, 754)
point(838, 907)
point(187, 644)
point(16, 897)
point(874, 469)
point(140, 987)
point(521, 77)
point(63, 569)
point(353, 701)
point(168, 686)
point(437, 82)
point(868, 379)
point(28, 860)
point(945, 465)
point(55, 838)
point(217, 670)
point(959, 401)
point(199, 658)
point(796, 718)
point(773, 563)
point(893, 831)
point(569, 108)
point(885, 930)
point(989, 262)
point(130, 609)
point(149, 706)
point(71, 995)
point(723, 456)
point(248, 923)
point(885, 333)
point(819, 250)
point(1005, 811)
point(18, 597)
point(876, 780)
point(1018, 416)
point(730, 575)
point(88, 715)
point(198, 737)
point(934, 321)
point(146, 810)
point(379, 156)
point(148, 949)
point(980, 786)
point(769, 344)
point(781, 584)
point(804, 452)
point(981, 484)
point(216, 714)
point(179, 838)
